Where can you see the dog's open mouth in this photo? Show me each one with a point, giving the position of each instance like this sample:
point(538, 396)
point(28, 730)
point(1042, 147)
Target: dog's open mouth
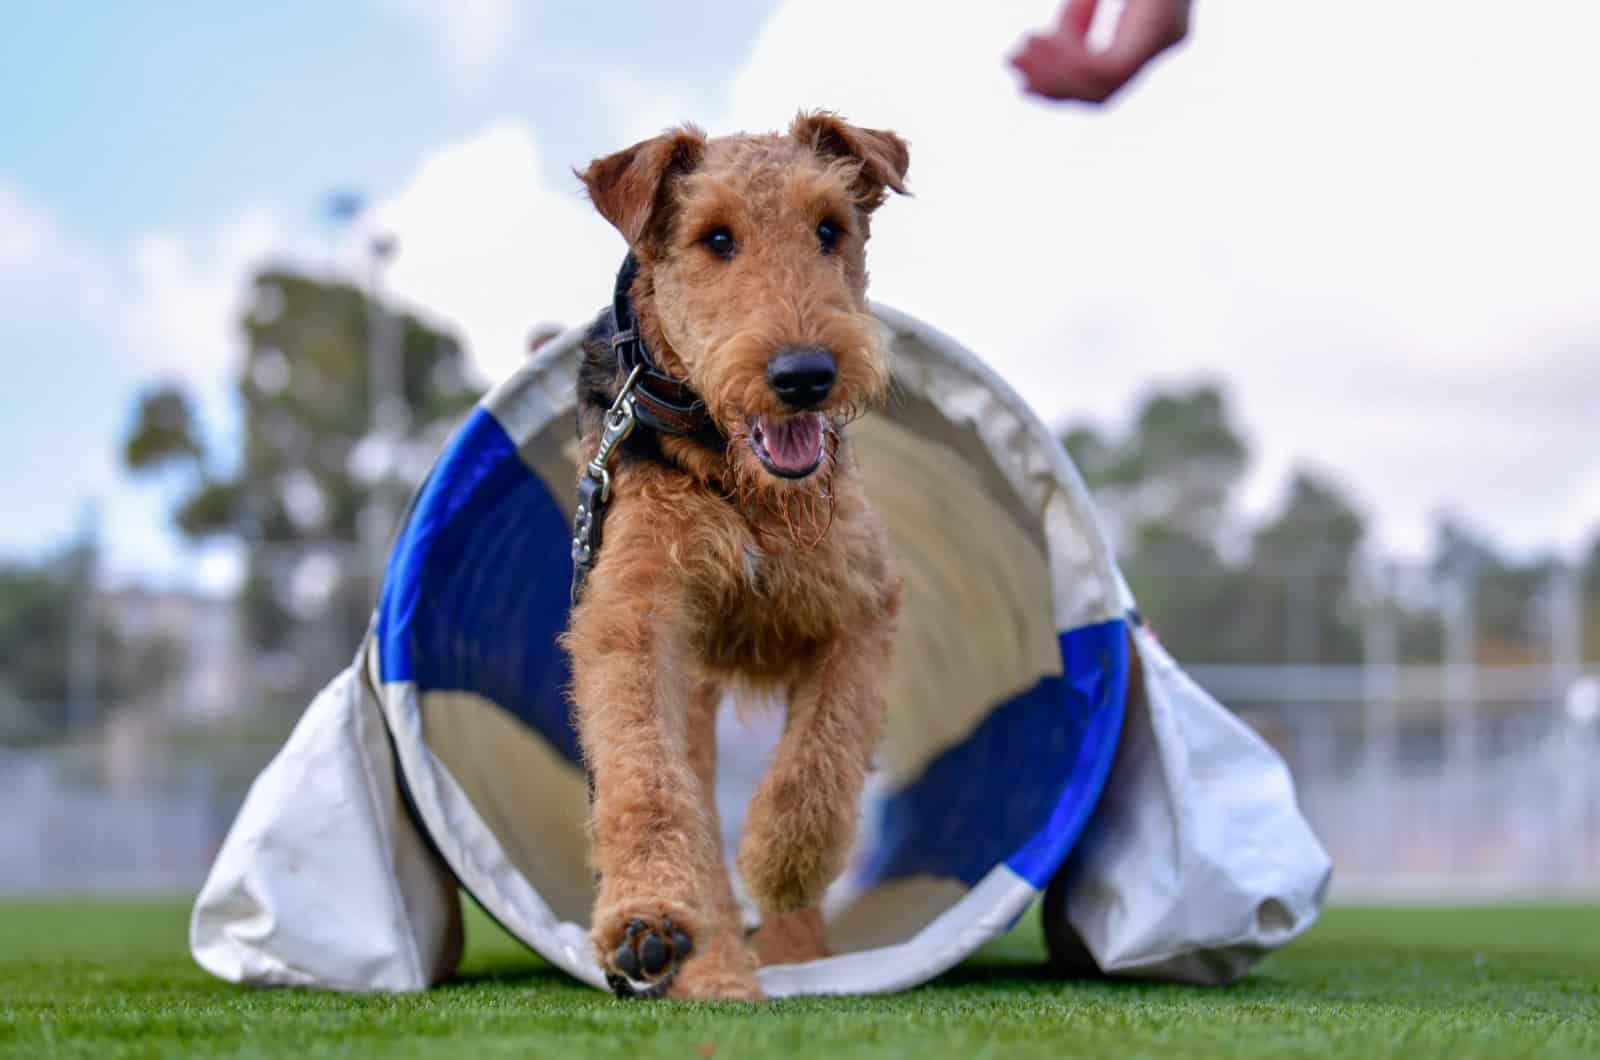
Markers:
point(792, 447)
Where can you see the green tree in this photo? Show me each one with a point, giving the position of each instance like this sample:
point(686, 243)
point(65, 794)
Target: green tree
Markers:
point(314, 487)
point(1591, 600)
point(1300, 604)
point(1164, 490)
point(46, 607)
point(1177, 466)
point(1509, 597)
point(1292, 590)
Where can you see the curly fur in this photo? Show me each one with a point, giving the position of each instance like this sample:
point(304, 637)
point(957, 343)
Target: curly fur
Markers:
point(716, 574)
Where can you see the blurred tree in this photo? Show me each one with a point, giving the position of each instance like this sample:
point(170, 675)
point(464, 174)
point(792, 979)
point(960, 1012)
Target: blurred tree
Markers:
point(1590, 587)
point(1164, 490)
point(1301, 604)
point(316, 487)
point(1292, 591)
point(1177, 467)
point(164, 430)
point(1193, 599)
point(41, 613)
point(1510, 612)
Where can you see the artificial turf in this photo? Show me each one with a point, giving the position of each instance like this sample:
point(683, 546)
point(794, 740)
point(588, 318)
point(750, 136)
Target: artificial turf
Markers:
point(113, 979)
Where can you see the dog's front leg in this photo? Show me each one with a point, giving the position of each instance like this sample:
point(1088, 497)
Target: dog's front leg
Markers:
point(653, 826)
point(802, 818)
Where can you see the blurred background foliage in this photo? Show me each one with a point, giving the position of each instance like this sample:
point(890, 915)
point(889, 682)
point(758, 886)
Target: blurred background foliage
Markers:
point(1295, 586)
point(327, 460)
point(329, 451)
point(48, 634)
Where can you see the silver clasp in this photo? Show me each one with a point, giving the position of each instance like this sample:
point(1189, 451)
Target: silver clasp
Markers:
point(619, 423)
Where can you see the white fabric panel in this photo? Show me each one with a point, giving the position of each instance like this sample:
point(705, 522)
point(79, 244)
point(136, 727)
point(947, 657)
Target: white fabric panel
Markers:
point(534, 801)
point(982, 914)
point(323, 881)
point(968, 392)
point(952, 564)
point(472, 851)
point(863, 918)
point(1197, 862)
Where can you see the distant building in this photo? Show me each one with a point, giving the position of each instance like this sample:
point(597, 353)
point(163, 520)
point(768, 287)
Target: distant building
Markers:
point(212, 676)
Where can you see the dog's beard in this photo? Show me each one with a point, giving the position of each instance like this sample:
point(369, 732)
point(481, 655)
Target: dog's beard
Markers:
point(797, 510)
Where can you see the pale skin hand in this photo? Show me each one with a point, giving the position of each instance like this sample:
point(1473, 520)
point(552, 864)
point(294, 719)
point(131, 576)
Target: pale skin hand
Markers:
point(1060, 65)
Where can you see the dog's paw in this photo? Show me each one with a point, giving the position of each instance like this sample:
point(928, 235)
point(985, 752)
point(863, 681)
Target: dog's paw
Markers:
point(791, 938)
point(787, 859)
point(724, 971)
point(646, 958)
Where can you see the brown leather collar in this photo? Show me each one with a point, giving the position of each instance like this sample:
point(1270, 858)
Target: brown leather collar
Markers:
point(662, 402)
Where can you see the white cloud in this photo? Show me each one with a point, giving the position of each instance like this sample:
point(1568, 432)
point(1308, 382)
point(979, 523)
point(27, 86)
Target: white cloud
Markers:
point(30, 240)
point(634, 107)
point(41, 264)
point(1384, 250)
point(180, 306)
point(165, 307)
point(172, 313)
point(1376, 222)
point(475, 36)
point(487, 243)
point(1376, 229)
point(494, 247)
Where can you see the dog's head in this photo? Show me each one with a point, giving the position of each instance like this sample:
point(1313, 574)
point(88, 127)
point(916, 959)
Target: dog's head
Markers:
point(752, 278)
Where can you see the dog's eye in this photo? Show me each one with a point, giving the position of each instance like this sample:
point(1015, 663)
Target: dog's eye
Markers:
point(720, 242)
point(827, 236)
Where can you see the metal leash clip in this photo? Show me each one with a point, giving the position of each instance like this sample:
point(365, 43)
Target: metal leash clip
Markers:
point(594, 488)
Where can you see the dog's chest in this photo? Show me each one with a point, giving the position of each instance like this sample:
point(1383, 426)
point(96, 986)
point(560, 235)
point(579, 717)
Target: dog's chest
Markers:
point(773, 612)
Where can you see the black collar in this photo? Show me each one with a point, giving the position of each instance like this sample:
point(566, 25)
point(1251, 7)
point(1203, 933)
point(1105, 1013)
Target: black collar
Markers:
point(646, 397)
point(662, 402)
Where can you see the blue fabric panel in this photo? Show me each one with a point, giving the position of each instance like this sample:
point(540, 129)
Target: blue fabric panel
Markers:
point(1020, 788)
point(477, 587)
point(1096, 665)
point(476, 595)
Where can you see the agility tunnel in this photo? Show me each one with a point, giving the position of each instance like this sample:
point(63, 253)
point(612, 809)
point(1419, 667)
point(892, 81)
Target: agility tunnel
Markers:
point(1016, 761)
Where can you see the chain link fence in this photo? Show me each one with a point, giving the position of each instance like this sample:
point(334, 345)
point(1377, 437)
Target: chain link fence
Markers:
point(1452, 757)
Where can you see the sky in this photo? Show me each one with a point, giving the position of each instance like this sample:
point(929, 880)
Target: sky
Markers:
point(1377, 223)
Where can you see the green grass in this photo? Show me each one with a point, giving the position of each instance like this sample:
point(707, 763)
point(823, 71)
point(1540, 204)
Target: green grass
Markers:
point(113, 979)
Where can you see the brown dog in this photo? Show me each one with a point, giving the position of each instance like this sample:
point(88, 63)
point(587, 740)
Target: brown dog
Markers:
point(739, 552)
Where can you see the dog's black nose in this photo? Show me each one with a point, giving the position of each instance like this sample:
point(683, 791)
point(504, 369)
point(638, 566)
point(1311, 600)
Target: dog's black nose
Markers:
point(801, 376)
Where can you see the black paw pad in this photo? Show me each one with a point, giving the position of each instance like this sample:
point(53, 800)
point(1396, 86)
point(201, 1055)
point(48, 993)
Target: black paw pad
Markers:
point(647, 958)
point(654, 951)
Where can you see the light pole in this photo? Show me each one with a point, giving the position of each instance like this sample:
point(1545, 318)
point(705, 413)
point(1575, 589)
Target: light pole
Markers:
point(83, 653)
point(390, 414)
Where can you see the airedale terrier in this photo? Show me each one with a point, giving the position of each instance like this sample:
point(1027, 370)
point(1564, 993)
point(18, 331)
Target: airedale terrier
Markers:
point(739, 551)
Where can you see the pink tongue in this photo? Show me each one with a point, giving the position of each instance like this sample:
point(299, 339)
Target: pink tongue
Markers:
point(793, 443)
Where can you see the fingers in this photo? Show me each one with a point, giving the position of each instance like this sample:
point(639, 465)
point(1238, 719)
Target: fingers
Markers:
point(1076, 17)
point(1064, 69)
point(1052, 63)
point(1146, 29)
point(1057, 67)
point(1060, 65)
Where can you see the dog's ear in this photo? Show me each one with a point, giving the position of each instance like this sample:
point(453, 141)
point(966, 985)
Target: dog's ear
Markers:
point(630, 187)
point(884, 157)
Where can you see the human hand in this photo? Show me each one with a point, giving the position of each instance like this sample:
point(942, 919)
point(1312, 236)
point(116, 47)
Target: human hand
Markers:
point(1060, 64)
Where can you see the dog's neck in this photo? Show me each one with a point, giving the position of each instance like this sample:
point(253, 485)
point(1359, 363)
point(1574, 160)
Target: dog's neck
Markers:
point(674, 427)
point(664, 402)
